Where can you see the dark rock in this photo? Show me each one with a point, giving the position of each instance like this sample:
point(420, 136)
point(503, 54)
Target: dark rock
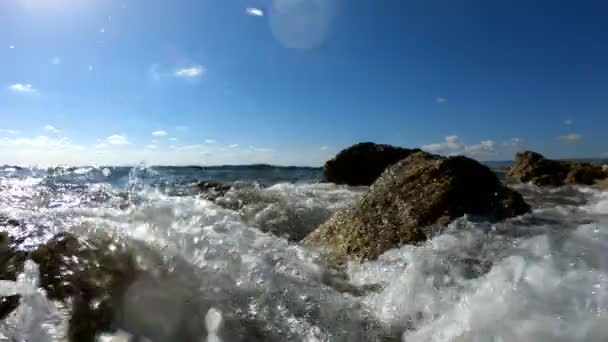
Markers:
point(11, 264)
point(362, 164)
point(91, 275)
point(533, 167)
point(584, 173)
point(211, 190)
point(409, 199)
point(8, 304)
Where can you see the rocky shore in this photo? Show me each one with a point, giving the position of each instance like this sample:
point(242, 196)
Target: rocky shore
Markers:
point(412, 195)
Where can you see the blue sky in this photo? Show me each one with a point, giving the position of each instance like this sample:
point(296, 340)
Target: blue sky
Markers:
point(294, 81)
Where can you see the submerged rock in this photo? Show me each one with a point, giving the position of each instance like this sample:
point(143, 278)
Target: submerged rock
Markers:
point(533, 167)
point(211, 190)
point(11, 264)
point(91, 275)
point(409, 199)
point(362, 164)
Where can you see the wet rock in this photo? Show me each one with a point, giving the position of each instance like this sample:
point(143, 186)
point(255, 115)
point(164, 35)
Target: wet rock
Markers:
point(211, 190)
point(409, 199)
point(273, 212)
point(91, 275)
point(11, 264)
point(533, 167)
point(585, 174)
point(362, 164)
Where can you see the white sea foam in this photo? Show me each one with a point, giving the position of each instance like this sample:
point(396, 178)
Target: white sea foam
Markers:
point(540, 277)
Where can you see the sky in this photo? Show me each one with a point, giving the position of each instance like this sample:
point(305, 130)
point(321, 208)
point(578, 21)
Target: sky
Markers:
point(292, 82)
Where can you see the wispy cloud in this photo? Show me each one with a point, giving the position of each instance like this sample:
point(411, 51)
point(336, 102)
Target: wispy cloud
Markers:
point(513, 143)
point(22, 87)
point(190, 147)
point(571, 138)
point(56, 60)
point(10, 131)
point(260, 149)
point(210, 141)
point(452, 145)
point(324, 148)
point(38, 142)
point(51, 128)
point(152, 146)
point(117, 139)
point(181, 128)
point(568, 122)
point(173, 139)
point(191, 72)
point(160, 133)
point(255, 12)
point(233, 145)
point(441, 100)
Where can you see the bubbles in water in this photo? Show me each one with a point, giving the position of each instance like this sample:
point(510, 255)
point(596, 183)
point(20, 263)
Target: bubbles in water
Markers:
point(106, 172)
point(213, 321)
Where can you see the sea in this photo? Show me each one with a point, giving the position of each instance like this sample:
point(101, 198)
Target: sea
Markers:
point(539, 277)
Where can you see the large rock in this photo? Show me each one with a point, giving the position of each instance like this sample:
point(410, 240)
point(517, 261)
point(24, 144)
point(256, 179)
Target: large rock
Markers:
point(362, 164)
point(410, 198)
point(91, 275)
point(534, 168)
point(11, 264)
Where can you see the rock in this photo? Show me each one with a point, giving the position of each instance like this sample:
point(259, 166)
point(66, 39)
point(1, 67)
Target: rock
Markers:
point(533, 167)
point(362, 164)
point(211, 190)
point(91, 275)
point(584, 173)
point(408, 200)
point(11, 264)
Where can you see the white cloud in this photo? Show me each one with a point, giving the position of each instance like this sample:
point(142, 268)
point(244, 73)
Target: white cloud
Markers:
point(256, 12)
point(51, 128)
point(56, 60)
point(172, 139)
point(486, 146)
point(9, 131)
point(37, 142)
point(441, 100)
point(568, 122)
point(452, 145)
point(233, 145)
point(570, 138)
point(22, 88)
point(11, 46)
point(210, 141)
point(513, 143)
point(324, 148)
point(191, 72)
point(433, 148)
point(160, 133)
point(452, 142)
point(190, 147)
point(260, 149)
point(117, 139)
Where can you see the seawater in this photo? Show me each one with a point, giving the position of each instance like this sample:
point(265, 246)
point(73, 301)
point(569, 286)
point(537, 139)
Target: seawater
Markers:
point(242, 276)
